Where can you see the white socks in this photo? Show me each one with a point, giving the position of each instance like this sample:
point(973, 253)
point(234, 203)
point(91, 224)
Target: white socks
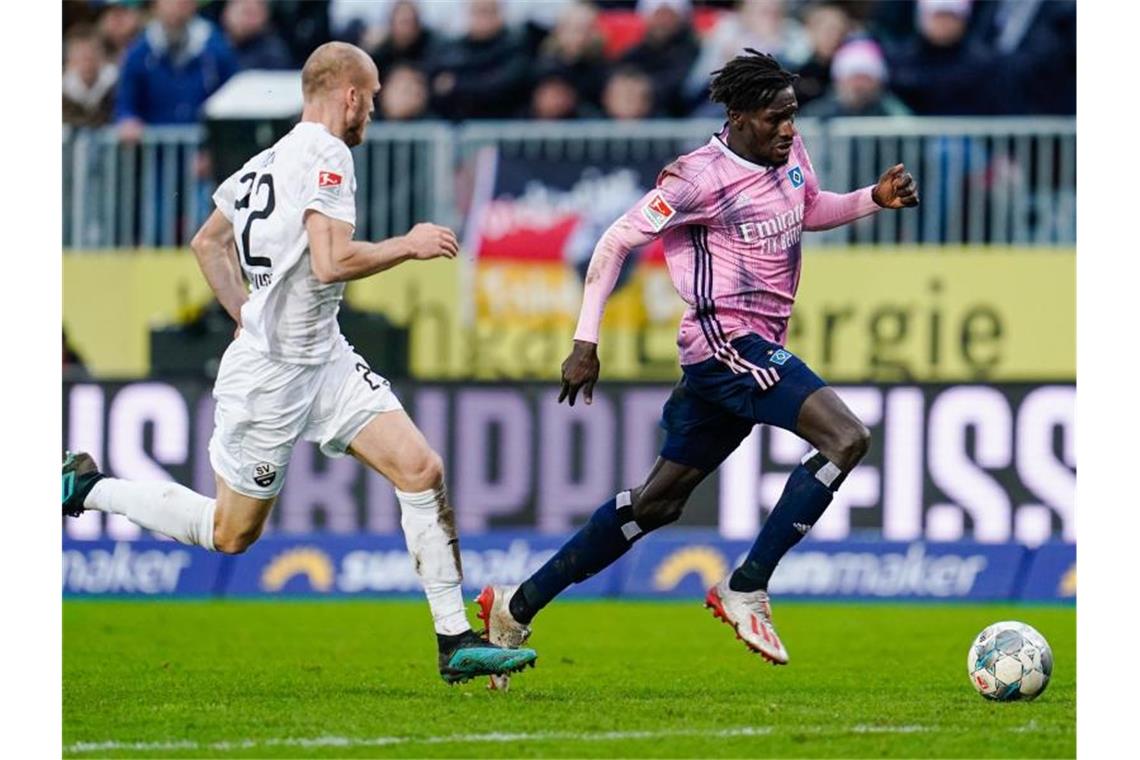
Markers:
point(168, 508)
point(429, 529)
point(188, 517)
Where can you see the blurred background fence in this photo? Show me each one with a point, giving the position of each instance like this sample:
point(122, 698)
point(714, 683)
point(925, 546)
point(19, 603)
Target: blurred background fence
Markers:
point(1005, 181)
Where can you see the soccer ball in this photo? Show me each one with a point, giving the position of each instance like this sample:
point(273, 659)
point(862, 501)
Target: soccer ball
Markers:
point(1009, 660)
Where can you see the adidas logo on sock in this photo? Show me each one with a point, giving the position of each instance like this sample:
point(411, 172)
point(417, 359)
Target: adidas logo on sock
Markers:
point(802, 528)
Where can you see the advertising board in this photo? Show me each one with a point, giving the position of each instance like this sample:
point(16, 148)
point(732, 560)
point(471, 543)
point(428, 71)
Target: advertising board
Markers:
point(992, 463)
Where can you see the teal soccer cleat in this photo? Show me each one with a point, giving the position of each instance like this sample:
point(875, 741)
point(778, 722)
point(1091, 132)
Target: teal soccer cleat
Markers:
point(79, 475)
point(472, 657)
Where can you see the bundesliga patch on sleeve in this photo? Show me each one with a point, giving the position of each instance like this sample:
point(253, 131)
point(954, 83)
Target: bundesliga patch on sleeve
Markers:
point(329, 182)
point(658, 211)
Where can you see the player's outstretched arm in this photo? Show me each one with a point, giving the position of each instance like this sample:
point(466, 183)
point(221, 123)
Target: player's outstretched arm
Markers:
point(674, 201)
point(581, 369)
point(336, 257)
point(895, 189)
point(213, 246)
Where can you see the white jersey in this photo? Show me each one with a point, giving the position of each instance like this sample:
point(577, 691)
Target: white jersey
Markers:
point(290, 315)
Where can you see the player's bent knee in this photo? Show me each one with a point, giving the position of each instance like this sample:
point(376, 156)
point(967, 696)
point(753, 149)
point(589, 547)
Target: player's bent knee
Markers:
point(860, 442)
point(422, 472)
point(231, 542)
point(653, 513)
point(845, 443)
point(853, 444)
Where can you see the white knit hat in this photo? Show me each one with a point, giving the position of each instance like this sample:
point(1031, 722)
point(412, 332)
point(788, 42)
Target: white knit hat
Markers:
point(926, 8)
point(861, 56)
point(682, 7)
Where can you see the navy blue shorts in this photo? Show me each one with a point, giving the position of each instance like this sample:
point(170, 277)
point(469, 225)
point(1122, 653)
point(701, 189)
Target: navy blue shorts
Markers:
point(715, 405)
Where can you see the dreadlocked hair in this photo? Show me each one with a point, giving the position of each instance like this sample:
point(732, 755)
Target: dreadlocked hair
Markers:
point(749, 81)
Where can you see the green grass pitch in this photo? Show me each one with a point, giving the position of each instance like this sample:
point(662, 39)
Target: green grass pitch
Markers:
point(614, 678)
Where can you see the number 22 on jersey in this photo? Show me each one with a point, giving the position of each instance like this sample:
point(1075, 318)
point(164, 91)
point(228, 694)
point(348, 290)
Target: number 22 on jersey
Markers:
point(258, 189)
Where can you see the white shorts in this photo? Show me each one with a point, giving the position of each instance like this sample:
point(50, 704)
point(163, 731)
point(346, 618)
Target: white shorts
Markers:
point(264, 406)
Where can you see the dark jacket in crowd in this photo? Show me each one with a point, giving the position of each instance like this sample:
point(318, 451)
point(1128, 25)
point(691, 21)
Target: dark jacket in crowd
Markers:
point(814, 79)
point(961, 80)
point(418, 54)
point(588, 77)
point(303, 24)
point(266, 51)
point(1036, 45)
point(491, 77)
point(667, 63)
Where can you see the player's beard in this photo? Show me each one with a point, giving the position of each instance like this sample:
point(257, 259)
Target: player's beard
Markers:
point(354, 131)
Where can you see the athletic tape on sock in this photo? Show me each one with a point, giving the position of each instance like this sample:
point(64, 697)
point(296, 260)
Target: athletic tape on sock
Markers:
point(623, 505)
point(824, 470)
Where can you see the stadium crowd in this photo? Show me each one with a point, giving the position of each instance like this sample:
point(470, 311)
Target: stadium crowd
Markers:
point(137, 63)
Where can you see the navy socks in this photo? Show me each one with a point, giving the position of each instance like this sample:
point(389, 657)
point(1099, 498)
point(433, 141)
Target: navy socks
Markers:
point(806, 495)
point(612, 530)
point(597, 545)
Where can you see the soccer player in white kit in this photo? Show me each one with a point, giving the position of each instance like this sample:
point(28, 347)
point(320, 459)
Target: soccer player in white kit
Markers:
point(290, 214)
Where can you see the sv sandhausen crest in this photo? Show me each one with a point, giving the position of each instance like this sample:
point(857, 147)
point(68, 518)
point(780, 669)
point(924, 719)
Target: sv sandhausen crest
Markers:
point(264, 474)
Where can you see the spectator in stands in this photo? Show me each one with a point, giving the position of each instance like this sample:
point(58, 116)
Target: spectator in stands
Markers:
point(255, 42)
point(1036, 45)
point(75, 14)
point(827, 25)
point(556, 95)
point(178, 62)
point(88, 79)
point(575, 47)
point(405, 95)
point(362, 23)
point(485, 73)
point(303, 24)
point(629, 94)
point(891, 23)
point(119, 25)
point(759, 24)
point(667, 52)
point(407, 40)
point(858, 78)
point(941, 71)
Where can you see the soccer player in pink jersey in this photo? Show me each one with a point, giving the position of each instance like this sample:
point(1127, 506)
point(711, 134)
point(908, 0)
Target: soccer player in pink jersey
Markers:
point(730, 215)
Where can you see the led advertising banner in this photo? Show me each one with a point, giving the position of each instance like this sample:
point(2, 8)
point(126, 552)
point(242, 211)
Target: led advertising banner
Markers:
point(990, 463)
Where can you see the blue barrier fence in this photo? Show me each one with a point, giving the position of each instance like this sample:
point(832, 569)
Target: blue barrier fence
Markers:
point(677, 564)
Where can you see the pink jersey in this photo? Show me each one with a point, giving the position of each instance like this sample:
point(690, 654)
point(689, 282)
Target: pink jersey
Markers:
point(731, 231)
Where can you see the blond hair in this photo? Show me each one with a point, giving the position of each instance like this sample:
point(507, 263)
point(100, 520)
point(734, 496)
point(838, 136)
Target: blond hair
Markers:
point(330, 66)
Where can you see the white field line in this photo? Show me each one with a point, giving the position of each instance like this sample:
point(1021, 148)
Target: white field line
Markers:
point(493, 737)
point(381, 741)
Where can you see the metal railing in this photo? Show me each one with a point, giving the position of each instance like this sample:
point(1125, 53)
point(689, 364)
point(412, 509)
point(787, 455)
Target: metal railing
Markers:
point(996, 181)
point(105, 181)
point(404, 175)
point(983, 182)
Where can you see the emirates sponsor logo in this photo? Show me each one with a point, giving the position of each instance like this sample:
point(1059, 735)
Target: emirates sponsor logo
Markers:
point(775, 233)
